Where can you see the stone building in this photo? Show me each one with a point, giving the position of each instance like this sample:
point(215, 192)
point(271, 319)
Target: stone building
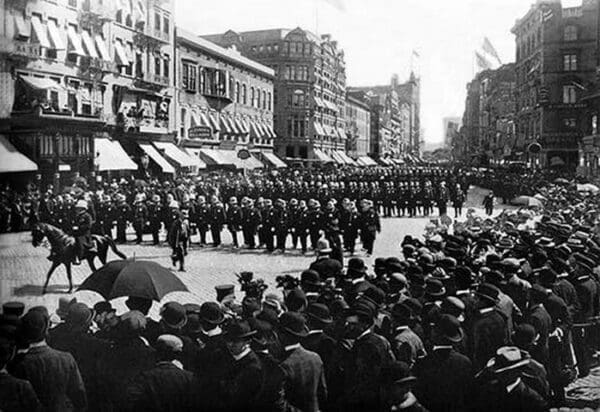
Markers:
point(358, 127)
point(309, 89)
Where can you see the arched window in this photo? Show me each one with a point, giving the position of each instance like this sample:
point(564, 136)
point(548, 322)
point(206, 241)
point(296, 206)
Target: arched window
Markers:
point(244, 94)
point(570, 33)
point(231, 88)
point(269, 107)
point(258, 99)
point(252, 96)
point(237, 92)
point(119, 17)
point(264, 99)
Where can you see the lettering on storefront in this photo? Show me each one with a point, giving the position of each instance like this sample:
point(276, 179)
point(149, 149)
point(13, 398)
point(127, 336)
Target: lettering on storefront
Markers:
point(200, 132)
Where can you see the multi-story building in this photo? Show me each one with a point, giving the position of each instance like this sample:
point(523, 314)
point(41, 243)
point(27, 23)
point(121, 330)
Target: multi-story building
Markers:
point(358, 126)
point(467, 144)
point(451, 127)
point(78, 72)
point(309, 89)
point(395, 120)
point(556, 59)
point(225, 103)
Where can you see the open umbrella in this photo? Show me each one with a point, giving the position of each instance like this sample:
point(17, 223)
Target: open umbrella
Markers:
point(588, 187)
point(540, 197)
point(526, 201)
point(130, 277)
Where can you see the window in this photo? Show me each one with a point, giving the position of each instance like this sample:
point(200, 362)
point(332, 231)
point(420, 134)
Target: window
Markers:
point(202, 87)
point(570, 33)
point(157, 19)
point(252, 97)
point(188, 78)
point(264, 100)
point(595, 124)
point(157, 65)
point(289, 151)
point(303, 152)
point(232, 88)
point(570, 62)
point(237, 92)
point(244, 94)
point(129, 67)
point(298, 98)
point(166, 24)
point(166, 63)
point(570, 123)
point(72, 3)
point(569, 94)
point(54, 100)
point(269, 107)
point(72, 101)
point(139, 64)
point(119, 17)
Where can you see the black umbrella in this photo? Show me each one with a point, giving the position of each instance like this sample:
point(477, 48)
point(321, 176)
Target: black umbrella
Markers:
point(130, 277)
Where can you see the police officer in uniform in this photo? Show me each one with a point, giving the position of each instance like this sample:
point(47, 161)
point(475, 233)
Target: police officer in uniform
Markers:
point(123, 215)
point(155, 215)
point(217, 219)
point(268, 223)
point(315, 221)
point(234, 220)
point(250, 223)
point(369, 226)
point(301, 225)
point(82, 231)
point(349, 224)
point(140, 217)
point(281, 224)
point(202, 218)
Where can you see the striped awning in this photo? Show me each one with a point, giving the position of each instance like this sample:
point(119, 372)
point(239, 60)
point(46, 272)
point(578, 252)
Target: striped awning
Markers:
point(110, 155)
point(13, 160)
point(322, 156)
point(176, 154)
point(157, 158)
point(319, 129)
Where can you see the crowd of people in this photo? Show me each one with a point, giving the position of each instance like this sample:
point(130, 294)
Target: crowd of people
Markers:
point(498, 314)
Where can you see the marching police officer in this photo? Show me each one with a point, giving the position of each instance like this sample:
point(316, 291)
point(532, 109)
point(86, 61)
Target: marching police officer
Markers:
point(122, 216)
point(155, 215)
point(250, 222)
point(217, 219)
point(140, 217)
point(369, 226)
point(201, 217)
point(234, 220)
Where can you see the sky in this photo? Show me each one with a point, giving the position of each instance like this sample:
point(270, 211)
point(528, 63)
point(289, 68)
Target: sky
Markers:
point(378, 37)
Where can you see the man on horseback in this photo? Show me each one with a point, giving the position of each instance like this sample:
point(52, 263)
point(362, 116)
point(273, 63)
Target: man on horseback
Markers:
point(82, 231)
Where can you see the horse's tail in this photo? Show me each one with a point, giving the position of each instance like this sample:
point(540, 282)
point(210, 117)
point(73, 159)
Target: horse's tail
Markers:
point(113, 247)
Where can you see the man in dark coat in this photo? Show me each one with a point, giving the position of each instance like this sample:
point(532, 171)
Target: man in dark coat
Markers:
point(250, 222)
point(53, 374)
point(155, 216)
point(326, 267)
point(166, 386)
point(369, 226)
point(16, 395)
point(444, 376)
point(489, 328)
point(370, 354)
point(217, 219)
point(305, 385)
point(234, 220)
point(140, 217)
point(177, 238)
point(73, 336)
point(538, 317)
point(122, 216)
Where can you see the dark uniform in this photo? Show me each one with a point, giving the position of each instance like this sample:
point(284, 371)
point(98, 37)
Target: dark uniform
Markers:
point(82, 231)
point(234, 221)
point(369, 226)
point(140, 217)
point(250, 223)
point(155, 215)
point(217, 219)
point(123, 215)
point(201, 218)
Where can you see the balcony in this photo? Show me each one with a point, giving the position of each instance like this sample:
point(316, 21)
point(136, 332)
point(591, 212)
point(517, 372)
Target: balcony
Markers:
point(93, 64)
point(23, 49)
point(149, 80)
point(150, 39)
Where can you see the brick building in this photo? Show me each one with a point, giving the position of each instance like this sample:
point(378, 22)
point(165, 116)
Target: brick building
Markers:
point(358, 126)
point(556, 59)
point(225, 103)
point(77, 73)
point(309, 89)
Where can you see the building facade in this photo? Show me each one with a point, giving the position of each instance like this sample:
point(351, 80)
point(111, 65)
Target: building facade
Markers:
point(80, 70)
point(556, 59)
point(395, 118)
point(451, 126)
point(309, 88)
point(225, 100)
point(358, 127)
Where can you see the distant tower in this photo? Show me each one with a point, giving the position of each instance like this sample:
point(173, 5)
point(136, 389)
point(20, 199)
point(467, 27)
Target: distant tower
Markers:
point(395, 81)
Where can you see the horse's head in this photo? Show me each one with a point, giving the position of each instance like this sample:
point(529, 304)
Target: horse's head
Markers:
point(37, 235)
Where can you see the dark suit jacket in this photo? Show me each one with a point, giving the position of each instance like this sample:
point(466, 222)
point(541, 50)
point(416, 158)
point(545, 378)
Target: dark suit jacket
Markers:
point(370, 354)
point(444, 380)
point(539, 318)
point(165, 387)
point(327, 268)
point(55, 378)
point(489, 333)
point(242, 386)
point(305, 385)
point(522, 398)
point(17, 395)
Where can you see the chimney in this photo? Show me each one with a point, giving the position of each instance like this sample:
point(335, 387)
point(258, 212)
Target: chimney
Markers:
point(395, 80)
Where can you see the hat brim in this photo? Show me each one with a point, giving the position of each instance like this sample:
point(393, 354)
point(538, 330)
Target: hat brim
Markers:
point(213, 321)
point(488, 297)
point(324, 250)
point(246, 335)
point(322, 320)
point(455, 338)
point(302, 334)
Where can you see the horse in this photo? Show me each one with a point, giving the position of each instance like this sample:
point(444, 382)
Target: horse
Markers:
point(63, 249)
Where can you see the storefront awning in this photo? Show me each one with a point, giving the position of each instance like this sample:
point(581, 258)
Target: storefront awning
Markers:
point(39, 32)
point(269, 130)
point(13, 160)
point(242, 126)
point(318, 129)
point(157, 158)
point(233, 126)
point(347, 159)
point(342, 133)
point(366, 161)
point(214, 123)
point(255, 131)
point(42, 83)
point(219, 157)
point(195, 156)
point(250, 163)
point(274, 160)
point(102, 49)
point(322, 156)
point(174, 153)
point(74, 42)
point(337, 158)
point(88, 44)
point(111, 156)
point(55, 39)
point(225, 126)
point(23, 30)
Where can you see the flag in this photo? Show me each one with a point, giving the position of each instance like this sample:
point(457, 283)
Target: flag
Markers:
point(416, 54)
point(482, 62)
point(578, 85)
point(338, 4)
point(490, 49)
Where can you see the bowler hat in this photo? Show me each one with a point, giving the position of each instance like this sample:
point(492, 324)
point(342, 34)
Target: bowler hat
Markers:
point(397, 373)
point(63, 306)
point(132, 323)
point(434, 287)
point(34, 325)
point(375, 295)
point(402, 311)
point(173, 315)
point(211, 312)
point(449, 327)
point(319, 312)
point(524, 335)
point(311, 278)
point(294, 324)
point(488, 291)
point(79, 315)
point(507, 359)
point(357, 266)
point(380, 263)
point(238, 329)
point(295, 299)
point(452, 306)
point(547, 276)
